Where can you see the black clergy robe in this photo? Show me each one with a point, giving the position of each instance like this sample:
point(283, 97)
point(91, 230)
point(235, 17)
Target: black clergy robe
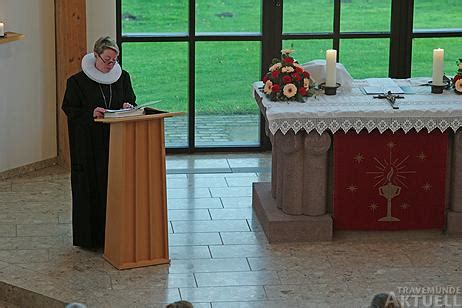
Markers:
point(89, 149)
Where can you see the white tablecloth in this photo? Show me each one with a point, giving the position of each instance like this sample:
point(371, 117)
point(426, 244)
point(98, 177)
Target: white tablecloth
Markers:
point(351, 109)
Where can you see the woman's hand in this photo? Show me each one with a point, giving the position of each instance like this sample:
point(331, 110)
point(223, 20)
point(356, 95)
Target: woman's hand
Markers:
point(98, 112)
point(127, 106)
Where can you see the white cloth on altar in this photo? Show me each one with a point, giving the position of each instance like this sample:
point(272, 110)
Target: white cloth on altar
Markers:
point(355, 110)
point(317, 70)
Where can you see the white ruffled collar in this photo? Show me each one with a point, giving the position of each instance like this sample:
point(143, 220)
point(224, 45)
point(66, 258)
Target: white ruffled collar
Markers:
point(89, 68)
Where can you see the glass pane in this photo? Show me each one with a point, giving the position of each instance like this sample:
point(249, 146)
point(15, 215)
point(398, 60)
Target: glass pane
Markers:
point(365, 16)
point(141, 16)
point(422, 55)
point(307, 50)
point(365, 58)
point(431, 14)
point(226, 113)
point(228, 16)
point(159, 71)
point(308, 16)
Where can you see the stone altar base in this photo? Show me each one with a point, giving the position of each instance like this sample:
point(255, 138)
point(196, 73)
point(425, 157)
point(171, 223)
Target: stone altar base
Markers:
point(454, 223)
point(281, 227)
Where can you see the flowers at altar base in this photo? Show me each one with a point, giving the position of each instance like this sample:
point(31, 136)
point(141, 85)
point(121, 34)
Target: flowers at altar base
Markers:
point(286, 80)
point(457, 80)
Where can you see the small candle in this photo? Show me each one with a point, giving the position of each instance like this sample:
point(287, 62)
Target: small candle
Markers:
point(2, 29)
point(331, 69)
point(438, 63)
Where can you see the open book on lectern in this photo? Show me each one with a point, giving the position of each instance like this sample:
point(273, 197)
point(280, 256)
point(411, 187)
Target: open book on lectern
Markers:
point(136, 111)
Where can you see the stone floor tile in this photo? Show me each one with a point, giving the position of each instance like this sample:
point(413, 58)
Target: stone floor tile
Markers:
point(41, 229)
point(236, 279)
point(240, 213)
point(196, 238)
point(233, 251)
point(5, 185)
point(24, 256)
point(140, 279)
point(236, 202)
point(196, 214)
point(31, 242)
point(175, 193)
point(209, 265)
point(231, 192)
point(210, 226)
point(189, 252)
point(7, 229)
point(249, 162)
point(194, 203)
point(219, 294)
point(249, 238)
point(195, 163)
point(196, 182)
point(246, 181)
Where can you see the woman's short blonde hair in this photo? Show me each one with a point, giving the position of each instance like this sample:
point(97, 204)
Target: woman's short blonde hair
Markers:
point(104, 43)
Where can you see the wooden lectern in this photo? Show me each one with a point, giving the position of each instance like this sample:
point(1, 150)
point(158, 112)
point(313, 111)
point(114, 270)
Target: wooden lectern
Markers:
point(136, 214)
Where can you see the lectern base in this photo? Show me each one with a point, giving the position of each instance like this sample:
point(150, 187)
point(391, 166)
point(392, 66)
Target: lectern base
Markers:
point(128, 265)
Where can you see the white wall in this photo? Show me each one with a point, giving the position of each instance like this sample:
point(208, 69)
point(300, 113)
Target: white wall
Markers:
point(101, 16)
point(27, 84)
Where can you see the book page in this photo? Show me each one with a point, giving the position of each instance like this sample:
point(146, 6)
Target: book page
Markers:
point(127, 112)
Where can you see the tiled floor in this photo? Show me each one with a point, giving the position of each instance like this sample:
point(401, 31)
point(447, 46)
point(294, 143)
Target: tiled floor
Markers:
point(219, 254)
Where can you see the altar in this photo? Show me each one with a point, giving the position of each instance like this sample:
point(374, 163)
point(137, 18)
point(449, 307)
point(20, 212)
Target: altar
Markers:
point(352, 162)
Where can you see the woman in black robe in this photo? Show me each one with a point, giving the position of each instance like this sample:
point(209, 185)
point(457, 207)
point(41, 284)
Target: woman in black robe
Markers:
point(101, 85)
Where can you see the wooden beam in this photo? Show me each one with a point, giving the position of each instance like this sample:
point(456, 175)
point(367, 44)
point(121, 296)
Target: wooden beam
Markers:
point(71, 46)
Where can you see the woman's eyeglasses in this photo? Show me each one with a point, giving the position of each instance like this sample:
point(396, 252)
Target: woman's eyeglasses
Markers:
point(108, 62)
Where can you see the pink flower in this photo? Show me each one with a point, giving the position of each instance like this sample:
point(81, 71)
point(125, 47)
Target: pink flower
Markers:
point(268, 85)
point(458, 85)
point(290, 90)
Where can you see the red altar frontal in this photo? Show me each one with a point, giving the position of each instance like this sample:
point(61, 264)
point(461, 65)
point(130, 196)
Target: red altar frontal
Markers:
point(389, 181)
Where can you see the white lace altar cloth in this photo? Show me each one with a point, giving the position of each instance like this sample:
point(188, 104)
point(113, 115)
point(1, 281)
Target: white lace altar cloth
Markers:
point(351, 109)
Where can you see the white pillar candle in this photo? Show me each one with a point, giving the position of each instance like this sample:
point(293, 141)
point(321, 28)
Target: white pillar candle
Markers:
point(2, 29)
point(331, 69)
point(438, 63)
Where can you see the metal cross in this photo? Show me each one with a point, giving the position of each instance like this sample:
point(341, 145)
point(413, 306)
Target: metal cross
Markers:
point(391, 98)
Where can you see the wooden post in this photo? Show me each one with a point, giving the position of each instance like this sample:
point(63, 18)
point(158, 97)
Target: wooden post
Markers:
point(71, 46)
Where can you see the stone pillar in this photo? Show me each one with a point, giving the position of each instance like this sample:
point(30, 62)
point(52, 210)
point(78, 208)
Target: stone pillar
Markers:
point(315, 174)
point(274, 169)
point(290, 172)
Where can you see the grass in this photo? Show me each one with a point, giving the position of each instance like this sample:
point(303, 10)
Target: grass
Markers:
point(224, 71)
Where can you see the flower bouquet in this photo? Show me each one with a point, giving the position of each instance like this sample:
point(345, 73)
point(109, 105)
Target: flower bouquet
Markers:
point(286, 80)
point(457, 80)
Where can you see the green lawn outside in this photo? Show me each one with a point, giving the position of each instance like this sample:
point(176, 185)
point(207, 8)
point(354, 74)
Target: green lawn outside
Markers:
point(225, 70)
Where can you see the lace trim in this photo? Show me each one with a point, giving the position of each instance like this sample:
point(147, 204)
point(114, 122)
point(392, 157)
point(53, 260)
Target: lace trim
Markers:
point(358, 124)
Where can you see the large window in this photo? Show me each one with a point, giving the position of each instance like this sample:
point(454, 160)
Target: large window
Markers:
point(201, 56)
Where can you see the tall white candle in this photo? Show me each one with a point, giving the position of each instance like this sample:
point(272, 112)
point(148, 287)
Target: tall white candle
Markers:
point(331, 69)
point(438, 63)
point(2, 29)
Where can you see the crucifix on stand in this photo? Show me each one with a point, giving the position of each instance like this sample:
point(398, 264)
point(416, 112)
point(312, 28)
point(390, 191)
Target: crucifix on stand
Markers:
point(391, 98)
